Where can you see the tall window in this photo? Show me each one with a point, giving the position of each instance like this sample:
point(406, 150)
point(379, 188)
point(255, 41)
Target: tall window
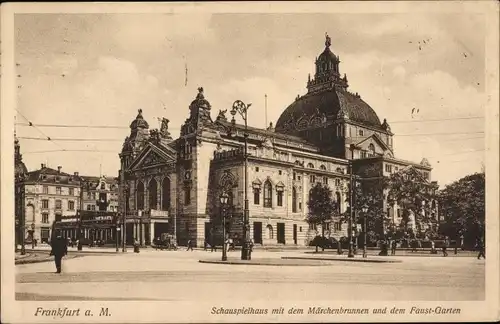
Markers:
point(45, 218)
point(71, 191)
point(153, 194)
point(45, 203)
point(294, 176)
point(71, 205)
point(256, 196)
point(338, 200)
point(294, 200)
point(279, 197)
point(58, 204)
point(187, 195)
point(325, 180)
point(88, 207)
point(45, 189)
point(312, 178)
point(93, 207)
point(58, 190)
point(361, 132)
point(140, 196)
point(268, 194)
point(165, 201)
point(388, 168)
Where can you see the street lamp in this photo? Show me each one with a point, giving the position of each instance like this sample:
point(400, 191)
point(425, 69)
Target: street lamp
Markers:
point(365, 211)
point(124, 218)
point(351, 204)
point(242, 109)
point(223, 204)
point(117, 231)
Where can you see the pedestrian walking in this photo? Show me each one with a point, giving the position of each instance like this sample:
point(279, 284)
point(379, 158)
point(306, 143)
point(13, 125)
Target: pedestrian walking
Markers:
point(446, 243)
point(190, 245)
point(480, 247)
point(393, 247)
point(59, 249)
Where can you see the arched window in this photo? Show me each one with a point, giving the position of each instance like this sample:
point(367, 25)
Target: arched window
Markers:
point(140, 196)
point(339, 170)
point(371, 148)
point(294, 200)
point(310, 165)
point(153, 194)
point(165, 197)
point(270, 233)
point(322, 167)
point(268, 194)
point(338, 201)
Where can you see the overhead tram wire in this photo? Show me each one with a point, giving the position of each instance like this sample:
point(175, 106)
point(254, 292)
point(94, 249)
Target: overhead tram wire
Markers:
point(48, 138)
point(174, 128)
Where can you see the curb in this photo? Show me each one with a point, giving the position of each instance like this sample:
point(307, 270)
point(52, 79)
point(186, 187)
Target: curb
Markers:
point(345, 260)
point(277, 263)
point(22, 261)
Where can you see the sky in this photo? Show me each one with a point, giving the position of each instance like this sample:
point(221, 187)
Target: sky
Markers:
point(99, 69)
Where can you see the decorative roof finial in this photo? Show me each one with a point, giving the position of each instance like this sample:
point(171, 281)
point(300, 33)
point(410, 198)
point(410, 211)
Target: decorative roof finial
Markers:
point(140, 112)
point(328, 41)
point(200, 93)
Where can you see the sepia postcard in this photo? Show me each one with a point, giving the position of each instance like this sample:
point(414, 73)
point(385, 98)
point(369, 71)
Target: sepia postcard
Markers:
point(234, 162)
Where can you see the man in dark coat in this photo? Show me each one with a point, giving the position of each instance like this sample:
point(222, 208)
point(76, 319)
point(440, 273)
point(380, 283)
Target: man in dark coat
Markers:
point(480, 248)
point(59, 249)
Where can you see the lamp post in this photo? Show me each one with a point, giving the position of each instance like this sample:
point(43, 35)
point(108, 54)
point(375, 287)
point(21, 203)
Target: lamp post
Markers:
point(124, 218)
point(351, 204)
point(223, 204)
point(117, 232)
point(365, 211)
point(23, 217)
point(242, 109)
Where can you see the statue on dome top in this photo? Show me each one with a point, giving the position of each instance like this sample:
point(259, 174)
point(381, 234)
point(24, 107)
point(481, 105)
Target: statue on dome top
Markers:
point(328, 40)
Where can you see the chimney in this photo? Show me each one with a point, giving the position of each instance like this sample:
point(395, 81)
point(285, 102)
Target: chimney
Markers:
point(76, 174)
point(59, 169)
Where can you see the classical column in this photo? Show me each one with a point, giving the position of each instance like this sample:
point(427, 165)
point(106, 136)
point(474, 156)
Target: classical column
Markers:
point(143, 234)
point(151, 231)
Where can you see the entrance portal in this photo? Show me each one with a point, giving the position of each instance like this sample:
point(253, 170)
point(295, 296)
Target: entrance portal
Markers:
point(257, 232)
point(280, 228)
point(295, 234)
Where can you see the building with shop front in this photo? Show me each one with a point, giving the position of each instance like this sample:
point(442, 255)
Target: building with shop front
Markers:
point(45, 196)
point(315, 140)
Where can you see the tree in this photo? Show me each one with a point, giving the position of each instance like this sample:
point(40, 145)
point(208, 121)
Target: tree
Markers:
point(322, 208)
point(462, 204)
point(414, 195)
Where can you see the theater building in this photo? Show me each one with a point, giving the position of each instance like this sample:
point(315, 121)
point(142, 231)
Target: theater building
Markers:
point(315, 138)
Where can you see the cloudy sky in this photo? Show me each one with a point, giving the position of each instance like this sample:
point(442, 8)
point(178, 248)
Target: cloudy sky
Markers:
point(98, 69)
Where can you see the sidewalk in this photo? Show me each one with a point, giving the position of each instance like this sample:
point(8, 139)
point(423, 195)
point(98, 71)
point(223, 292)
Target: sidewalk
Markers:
point(32, 257)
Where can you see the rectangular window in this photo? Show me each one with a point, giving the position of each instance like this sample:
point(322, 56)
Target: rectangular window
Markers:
point(280, 198)
point(89, 195)
point(45, 218)
point(58, 204)
point(187, 196)
point(294, 176)
point(388, 168)
point(312, 178)
point(337, 182)
point(361, 132)
point(88, 207)
point(279, 172)
point(71, 205)
point(58, 190)
point(325, 180)
point(300, 206)
point(337, 226)
point(363, 154)
point(400, 213)
point(256, 169)
point(256, 197)
point(45, 189)
point(298, 178)
point(45, 203)
point(71, 191)
point(93, 207)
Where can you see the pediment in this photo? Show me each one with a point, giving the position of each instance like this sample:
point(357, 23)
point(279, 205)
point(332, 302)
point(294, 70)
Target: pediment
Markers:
point(152, 156)
point(376, 140)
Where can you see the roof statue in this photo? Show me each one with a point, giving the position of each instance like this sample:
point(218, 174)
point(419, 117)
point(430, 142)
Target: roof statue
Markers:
point(164, 128)
point(328, 40)
point(222, 115)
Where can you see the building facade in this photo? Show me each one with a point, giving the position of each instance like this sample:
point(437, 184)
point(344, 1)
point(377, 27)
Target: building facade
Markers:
point(316, 139)
point(45, 196)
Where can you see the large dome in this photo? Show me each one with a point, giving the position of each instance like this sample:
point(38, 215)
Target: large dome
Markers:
point(327, 104)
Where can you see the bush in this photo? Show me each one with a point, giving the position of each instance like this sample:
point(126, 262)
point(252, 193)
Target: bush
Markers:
point(324, 242)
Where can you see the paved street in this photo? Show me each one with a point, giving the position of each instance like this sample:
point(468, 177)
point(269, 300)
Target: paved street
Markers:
point(177, 275)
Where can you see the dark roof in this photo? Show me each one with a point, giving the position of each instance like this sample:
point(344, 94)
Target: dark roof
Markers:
point(328, 55)
point(50, 176)
point(327, 103)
